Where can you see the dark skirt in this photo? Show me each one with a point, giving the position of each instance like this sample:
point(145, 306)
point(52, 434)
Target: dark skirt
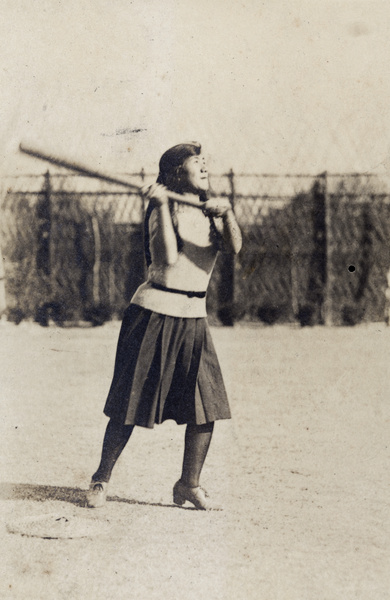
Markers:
point(165, 368)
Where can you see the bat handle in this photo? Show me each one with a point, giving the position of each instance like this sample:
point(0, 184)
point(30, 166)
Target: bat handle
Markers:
point(188, 199)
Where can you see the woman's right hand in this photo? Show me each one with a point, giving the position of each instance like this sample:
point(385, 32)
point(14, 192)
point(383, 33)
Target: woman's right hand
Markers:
point(156, 192)
point(217, 207)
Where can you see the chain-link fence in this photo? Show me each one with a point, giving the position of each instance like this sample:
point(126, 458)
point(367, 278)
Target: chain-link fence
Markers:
point(315, 248)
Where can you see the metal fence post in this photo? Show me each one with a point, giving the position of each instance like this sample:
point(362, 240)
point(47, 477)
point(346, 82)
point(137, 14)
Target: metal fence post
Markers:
point(329, 274)
point(142, 176)
point(3, 302)
point(43, 211)
point(226, 286)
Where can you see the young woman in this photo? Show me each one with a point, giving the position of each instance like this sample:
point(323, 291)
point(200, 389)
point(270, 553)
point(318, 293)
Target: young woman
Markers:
point(166, 366)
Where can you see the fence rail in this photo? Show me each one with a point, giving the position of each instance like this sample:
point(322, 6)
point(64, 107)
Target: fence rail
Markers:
point(315, 248)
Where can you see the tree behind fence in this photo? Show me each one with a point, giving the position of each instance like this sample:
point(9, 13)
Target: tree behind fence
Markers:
point(315, 249)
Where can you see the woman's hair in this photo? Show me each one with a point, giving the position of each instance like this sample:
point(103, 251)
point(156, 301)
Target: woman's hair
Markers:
point(172, 161)
point(170, 168)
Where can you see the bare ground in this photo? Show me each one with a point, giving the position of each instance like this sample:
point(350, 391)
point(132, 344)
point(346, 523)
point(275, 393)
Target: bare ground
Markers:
point(302, 470)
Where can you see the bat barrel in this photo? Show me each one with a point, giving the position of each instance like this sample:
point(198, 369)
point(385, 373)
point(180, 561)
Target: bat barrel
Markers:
point(87, 172)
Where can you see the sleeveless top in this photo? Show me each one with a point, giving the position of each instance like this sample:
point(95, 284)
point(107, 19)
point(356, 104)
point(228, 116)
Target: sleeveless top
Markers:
point(197, 243)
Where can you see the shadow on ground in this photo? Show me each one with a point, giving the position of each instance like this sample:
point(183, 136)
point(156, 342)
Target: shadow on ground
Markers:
point(75, 496)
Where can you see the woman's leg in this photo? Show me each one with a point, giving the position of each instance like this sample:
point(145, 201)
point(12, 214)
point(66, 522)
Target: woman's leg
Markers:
point(115, 439)
point(197, 442)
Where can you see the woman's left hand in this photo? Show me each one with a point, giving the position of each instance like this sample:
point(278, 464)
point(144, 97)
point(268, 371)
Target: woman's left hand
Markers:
point(156, 192)
point(217, 207)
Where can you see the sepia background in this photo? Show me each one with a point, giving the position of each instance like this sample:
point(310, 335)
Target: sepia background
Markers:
point(298, 86)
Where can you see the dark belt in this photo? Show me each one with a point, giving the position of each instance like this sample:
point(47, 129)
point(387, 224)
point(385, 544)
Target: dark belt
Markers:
point(157, 286)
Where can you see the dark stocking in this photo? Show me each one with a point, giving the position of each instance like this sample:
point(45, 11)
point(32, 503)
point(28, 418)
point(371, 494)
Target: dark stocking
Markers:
point(115, 439)
point(197, 442)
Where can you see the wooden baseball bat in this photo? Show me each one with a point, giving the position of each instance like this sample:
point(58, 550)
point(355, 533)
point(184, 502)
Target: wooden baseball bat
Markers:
point(188, 199)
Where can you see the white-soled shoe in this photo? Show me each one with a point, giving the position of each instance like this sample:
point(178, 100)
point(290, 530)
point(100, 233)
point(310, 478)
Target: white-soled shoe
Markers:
point(97, 494)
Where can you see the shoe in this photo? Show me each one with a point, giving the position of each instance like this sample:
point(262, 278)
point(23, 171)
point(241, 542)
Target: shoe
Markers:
point(197, 495)
point(97, 494)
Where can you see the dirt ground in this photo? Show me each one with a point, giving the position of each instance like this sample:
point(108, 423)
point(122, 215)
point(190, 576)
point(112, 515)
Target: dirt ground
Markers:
point(302, 470)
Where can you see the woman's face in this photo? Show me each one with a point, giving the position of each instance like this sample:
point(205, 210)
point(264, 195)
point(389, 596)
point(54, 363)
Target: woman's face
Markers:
point(195, 176)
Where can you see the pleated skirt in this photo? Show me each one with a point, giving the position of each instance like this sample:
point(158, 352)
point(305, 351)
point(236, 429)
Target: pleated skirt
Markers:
point(165, 368)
